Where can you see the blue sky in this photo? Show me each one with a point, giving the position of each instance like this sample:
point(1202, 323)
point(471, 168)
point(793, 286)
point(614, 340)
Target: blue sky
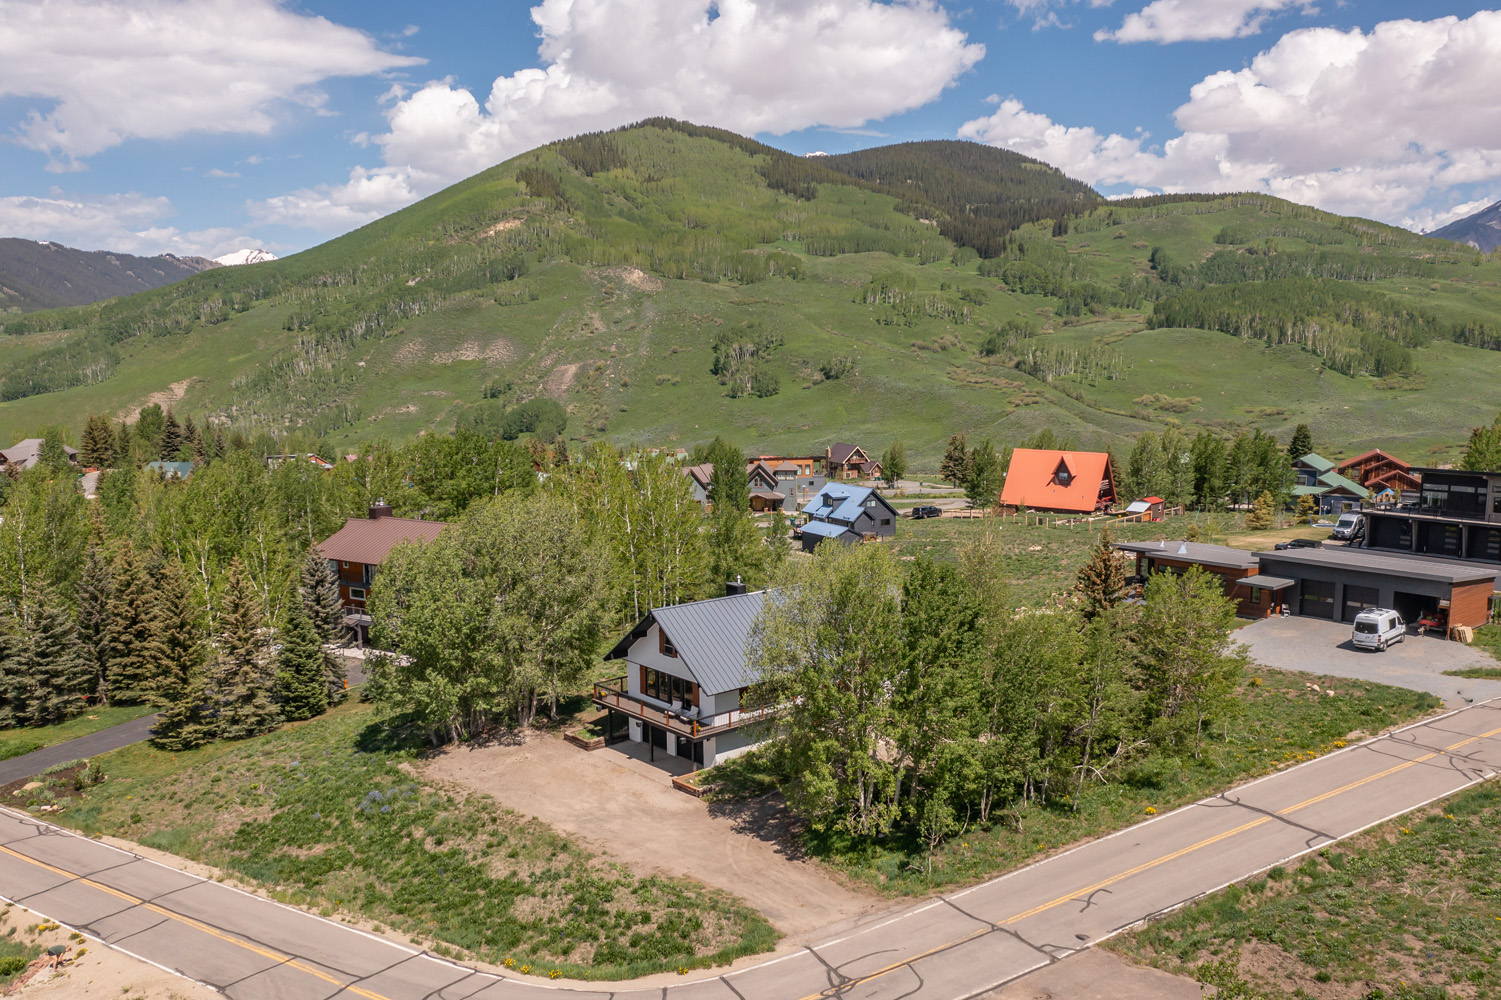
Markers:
point(205, 126)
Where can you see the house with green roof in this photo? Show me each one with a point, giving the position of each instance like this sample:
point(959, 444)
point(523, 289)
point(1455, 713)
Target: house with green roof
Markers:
point(1333, 493)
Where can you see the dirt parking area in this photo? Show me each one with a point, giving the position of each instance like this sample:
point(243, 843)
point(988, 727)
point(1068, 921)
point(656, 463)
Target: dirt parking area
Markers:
point(1417, 663)
point(628, 810)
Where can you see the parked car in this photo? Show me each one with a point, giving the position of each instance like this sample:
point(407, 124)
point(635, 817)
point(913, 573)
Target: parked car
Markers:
point(1345, 527)
point(918, 513)
point(1297, 543)
point(1377, 628)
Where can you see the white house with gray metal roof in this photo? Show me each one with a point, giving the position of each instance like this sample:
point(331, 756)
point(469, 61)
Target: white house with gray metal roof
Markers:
point(686, 679)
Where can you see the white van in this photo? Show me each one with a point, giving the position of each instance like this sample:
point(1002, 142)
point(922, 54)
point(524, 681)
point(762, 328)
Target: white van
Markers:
point(1345, 527)
point(1377, 628)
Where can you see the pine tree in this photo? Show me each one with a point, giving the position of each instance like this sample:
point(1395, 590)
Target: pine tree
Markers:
point(955, 465)
point(122, 443)
point(46, 675)
point(300, 671)
point(127, 632)
point(192, 440)
point(94, 589)
point(242, 676)
point(1263, 513)
point(174, 649)
point(98, 446)
point(1101, 580)
point(218, 448)
point(171, 438)
point(1302, 442)
point(560, 452)
point(319, 589)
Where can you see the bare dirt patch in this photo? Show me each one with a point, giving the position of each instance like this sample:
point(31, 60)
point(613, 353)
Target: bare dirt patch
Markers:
point(167, 397)
point(410, 352)
point(561, 379)
point(500, 351)
point(500, 227)
point(635, 277)
point(635, 817)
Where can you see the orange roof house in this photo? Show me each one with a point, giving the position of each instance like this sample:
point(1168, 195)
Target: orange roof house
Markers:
point(1069, 482)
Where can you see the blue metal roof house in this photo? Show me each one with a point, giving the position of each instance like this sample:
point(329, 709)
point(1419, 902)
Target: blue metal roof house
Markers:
point(847, 513)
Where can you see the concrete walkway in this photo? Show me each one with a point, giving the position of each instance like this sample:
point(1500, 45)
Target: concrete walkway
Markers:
point(961, 945)
point(103, 741)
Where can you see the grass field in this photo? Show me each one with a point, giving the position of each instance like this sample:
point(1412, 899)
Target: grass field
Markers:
point(1283, 722)
point(15, 742)
point(324, 815)
point(1407, 911)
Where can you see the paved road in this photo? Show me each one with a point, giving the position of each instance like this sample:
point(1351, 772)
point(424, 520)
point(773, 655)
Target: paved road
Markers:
point(103, 741)
point(962, 945)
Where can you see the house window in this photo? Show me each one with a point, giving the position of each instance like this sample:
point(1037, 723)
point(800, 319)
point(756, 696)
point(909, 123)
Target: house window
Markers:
point(664, 644)
point(885, 522)
point(665, 687)
point(1255, 595)
point(356, 594)
point(871, 502)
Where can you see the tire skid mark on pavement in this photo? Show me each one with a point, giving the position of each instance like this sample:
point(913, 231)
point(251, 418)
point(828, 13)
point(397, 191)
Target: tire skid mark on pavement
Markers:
point(833, 990)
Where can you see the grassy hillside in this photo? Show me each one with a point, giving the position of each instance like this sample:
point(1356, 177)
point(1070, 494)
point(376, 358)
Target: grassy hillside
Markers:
point(656, 279)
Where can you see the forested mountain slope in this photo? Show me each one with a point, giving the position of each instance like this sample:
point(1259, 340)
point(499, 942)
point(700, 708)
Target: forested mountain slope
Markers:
point(667, 282)
point(37, 275)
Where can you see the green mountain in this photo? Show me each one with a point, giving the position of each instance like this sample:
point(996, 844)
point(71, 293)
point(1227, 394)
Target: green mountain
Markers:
point(36, 275)
point(666, 283)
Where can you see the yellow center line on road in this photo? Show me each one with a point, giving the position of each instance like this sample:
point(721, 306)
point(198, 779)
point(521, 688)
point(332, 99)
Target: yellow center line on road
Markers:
point(301, 966)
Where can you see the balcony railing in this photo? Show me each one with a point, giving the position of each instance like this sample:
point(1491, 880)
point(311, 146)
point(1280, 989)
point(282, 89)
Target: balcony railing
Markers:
point(614, 694)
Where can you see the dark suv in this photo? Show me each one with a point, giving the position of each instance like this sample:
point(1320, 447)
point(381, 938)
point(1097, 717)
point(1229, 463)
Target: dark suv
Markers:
point(1297, 543)
point(918, 513)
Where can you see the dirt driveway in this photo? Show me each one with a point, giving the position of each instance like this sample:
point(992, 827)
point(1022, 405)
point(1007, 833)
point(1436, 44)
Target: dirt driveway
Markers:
point(1417, 663)
point(628, 810)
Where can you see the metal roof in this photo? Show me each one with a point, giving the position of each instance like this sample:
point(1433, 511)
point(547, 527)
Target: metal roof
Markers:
point(1366, 561)
point(1317, 462)
point(1267, 582)
point(370, 540)
point(709, 637)
point(824, 529)
point(1198, 553)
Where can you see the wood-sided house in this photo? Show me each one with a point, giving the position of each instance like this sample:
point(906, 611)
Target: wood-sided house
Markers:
point(1377, 471)
point(846, 513)
point(357, 550)
point(687, 679)
point(849, 461)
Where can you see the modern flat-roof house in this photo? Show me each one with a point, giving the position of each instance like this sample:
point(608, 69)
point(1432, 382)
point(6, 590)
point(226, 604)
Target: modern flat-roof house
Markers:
point(1458, 516)
point(1333, 492)
point(24, 454)
point(1254, 596)
point(686, 680)
point(846, 513)
point(1065, 482)
point(849, 461)
point(357, 550)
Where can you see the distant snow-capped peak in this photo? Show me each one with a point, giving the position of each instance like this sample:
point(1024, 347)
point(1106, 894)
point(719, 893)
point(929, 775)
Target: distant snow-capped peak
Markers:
point(245, 257)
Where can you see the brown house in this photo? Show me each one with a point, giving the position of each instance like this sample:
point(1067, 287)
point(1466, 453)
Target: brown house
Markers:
point(1255, 595)
point(849, 461)
point(1377, 471)
point(355, 551)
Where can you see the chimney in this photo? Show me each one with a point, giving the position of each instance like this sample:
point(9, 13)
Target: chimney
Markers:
point(734, 588)
point(380, 509)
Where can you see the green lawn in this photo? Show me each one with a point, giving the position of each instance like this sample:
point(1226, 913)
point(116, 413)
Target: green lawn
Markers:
point(15, 742)
point(1407, 911)
point(1283, 722)
point(323, 815)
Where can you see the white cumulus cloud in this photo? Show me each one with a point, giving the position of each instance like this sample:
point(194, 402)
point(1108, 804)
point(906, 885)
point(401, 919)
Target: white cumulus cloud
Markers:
point(1378, 124)
point(109, 70)
point(746, 65)
point(125, 223)
point(1198, 20)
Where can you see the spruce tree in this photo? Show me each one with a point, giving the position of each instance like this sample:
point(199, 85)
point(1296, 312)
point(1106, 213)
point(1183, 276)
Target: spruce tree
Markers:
point(1100, 580)
point(319, 588)
point(171, 438)
point(242, 677)
point(954, 468)
point(174, 648)
point(301, 682)
point(218, 448)
point(45, 675)
point(1302, 442)
point(192, 442)
point(123, 438)
point(127, 633)
point(94, 589)
point(97, 448)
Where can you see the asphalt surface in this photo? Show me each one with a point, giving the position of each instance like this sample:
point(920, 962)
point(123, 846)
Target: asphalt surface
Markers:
point(103, 741)
point(1417, 662)
point(962, 945)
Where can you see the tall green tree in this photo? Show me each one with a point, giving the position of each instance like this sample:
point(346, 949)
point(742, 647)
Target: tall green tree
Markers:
point(94, 589)
point(1207, 455)
point(97, 448)
point(171, 443)
point(894, 464)
point(954, 468)
point(1483, 450)
point(828, 646)
point(1101, 579)
point(43, 536)
point(301, 673)
point(127, 632)
point(174, 648)
point(729, 484)
point(242, 674)
point(150, 424)
point(318, 586)
point(1301, 443)
point(984, 476)
point(44, 672)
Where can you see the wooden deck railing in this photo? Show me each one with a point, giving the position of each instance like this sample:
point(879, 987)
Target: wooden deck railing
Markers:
point(613, 694)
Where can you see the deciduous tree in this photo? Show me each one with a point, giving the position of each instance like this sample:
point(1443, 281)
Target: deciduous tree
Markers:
point(954, 468)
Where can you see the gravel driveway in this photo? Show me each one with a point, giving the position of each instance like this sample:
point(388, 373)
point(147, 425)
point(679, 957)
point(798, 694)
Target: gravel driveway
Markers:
point(1417, 663)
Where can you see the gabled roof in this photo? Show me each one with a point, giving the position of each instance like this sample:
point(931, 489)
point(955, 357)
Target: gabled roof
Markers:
point(1374, 453)
point(709, 637)
point(1031, 480)
point(840, 453)
point(700, 474)
point(1335, 481)
point(824, 529)
point(840, 502)
point(1316, 462)
point(370, 540)
point(26, 453)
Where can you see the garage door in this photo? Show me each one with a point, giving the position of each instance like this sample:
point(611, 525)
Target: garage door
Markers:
point(1317, 599)
point(1357, 599)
